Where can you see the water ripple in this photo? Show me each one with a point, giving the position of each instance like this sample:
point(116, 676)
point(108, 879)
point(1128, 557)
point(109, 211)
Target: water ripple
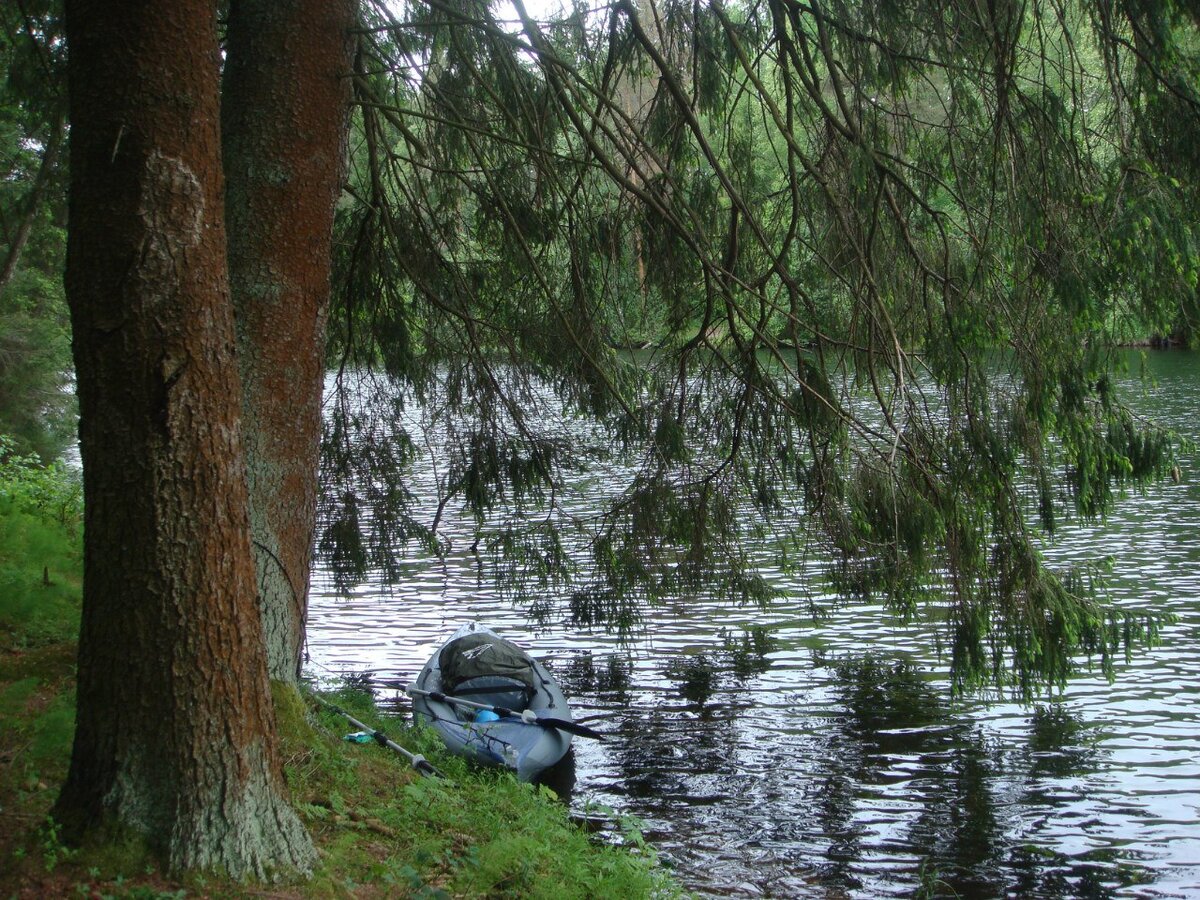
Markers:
point(786, 779)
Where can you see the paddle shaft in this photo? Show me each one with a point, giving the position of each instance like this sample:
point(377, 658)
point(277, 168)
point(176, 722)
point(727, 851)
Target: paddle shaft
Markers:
point(531, 719)
point(418, 762)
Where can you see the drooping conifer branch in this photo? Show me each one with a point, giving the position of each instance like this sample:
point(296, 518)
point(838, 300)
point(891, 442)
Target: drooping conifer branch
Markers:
point(875, 254)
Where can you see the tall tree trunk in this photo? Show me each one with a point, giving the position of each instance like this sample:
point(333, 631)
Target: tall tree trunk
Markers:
point(175, 731)
point(284, 115)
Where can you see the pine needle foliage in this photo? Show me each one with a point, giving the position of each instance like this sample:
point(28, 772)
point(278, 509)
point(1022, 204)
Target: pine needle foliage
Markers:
point(871, 256)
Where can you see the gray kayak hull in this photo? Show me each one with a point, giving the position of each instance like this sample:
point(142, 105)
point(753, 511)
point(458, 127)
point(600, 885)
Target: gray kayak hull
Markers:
point(522, 747)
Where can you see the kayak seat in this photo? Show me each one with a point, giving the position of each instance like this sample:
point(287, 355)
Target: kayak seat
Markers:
point(494, 690)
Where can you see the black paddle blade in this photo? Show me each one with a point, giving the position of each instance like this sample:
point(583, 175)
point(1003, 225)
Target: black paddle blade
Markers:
point(574, 728)
point(564, 725)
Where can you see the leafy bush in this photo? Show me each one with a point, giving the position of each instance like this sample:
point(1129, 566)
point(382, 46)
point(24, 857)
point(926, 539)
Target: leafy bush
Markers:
point(53, 491)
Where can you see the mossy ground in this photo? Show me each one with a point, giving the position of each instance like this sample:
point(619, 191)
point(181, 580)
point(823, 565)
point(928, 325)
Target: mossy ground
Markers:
point(381, 829)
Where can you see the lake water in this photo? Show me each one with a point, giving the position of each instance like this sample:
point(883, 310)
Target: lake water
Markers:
point(765, 757)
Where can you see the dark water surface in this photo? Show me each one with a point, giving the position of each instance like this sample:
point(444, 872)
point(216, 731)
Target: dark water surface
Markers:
point(766, 757)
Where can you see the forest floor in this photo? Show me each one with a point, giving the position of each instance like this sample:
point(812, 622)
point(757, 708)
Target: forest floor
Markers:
point(380, 829)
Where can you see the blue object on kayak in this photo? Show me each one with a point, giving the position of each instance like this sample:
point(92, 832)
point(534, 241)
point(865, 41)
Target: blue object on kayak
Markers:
point(486, 715)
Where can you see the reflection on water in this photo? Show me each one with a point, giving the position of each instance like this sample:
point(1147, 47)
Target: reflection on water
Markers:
point(609, 679)
point(769, 754)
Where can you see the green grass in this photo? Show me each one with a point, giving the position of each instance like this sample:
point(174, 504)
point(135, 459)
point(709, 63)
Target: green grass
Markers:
point(40, 578)
point(476, 833)
point(381, 830)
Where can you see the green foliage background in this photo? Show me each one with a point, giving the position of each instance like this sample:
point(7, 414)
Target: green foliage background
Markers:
point(36, 402)
point(871, 257)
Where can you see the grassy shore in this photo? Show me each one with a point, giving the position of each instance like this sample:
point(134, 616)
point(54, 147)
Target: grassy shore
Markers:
point(381, 830)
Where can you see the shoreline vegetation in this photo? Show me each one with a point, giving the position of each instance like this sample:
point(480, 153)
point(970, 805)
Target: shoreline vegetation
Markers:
point(380, 828)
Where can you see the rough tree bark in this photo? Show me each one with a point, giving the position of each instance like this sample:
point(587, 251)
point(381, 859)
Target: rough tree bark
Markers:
point(284, 115)
point(175, 732)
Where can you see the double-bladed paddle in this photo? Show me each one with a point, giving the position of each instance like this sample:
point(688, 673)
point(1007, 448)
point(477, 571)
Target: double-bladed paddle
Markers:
point(528, 716)
point(418, 762)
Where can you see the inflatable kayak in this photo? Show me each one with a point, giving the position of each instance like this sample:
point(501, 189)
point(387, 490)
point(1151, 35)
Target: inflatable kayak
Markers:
point(493, 703)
